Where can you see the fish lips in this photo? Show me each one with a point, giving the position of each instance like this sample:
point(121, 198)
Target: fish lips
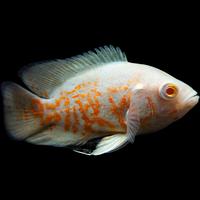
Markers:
point(193, 100)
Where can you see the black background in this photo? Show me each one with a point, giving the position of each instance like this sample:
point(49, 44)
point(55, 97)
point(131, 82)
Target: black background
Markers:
point(166, 37)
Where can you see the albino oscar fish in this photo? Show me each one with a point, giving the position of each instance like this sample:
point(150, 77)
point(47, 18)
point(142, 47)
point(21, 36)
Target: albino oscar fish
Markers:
point(95, 98)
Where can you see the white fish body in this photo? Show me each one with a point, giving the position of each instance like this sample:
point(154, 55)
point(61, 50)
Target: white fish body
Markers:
point(97, 95)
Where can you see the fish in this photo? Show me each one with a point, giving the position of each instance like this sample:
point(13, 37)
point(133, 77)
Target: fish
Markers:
point(93, 103)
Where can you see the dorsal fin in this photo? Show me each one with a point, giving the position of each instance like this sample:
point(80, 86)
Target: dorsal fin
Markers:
point(44, 77)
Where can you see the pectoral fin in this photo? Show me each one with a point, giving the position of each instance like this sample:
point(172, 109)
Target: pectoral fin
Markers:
point(133, 125)
point(110, 143)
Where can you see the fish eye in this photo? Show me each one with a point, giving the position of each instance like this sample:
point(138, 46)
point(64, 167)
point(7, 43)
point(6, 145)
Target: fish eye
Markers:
point(168, 91)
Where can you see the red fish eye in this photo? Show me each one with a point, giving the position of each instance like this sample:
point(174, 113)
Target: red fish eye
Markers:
point(170, 91)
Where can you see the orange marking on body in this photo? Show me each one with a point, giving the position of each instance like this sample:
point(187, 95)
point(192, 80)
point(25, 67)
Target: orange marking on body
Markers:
point(75, 96)
point(134, 80)
point(95, 105)
point(96, 92)
point(88, 128)
point(152, 109)
point(76, 121)
point(112, 90)
point(125, 102)
point(87, 121)
point(67, 101)
point(81, 86)
point(78, 87)
point(82, 95)
point(57, 117)
point(151, 105)
point(173, 112)
point(67, 119)
point(58, 102)
point(48, 119)
point(111, 100)
point(117, 89)
point(118, 110)
point(81, 108)
point(50, 106)
point(51, 118)
point(86, 107)
point(38, 109)
point(123, 105)
point(102, 122)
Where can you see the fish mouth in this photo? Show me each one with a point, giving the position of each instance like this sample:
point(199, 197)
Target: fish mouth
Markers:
point(192, 100)
point(189, 104)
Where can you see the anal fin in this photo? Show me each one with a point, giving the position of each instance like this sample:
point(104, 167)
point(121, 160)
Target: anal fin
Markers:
point(53, 136)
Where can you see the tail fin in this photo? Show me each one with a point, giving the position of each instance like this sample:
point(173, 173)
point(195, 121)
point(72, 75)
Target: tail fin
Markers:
point(20, 121)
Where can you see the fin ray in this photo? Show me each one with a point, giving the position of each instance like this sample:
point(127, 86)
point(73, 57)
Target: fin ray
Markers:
point(110, 143)
point(44, 77)
point(53, 136)
point(19, 121)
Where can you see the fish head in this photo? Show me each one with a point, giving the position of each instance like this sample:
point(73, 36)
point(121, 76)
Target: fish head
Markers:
point(165, 100)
